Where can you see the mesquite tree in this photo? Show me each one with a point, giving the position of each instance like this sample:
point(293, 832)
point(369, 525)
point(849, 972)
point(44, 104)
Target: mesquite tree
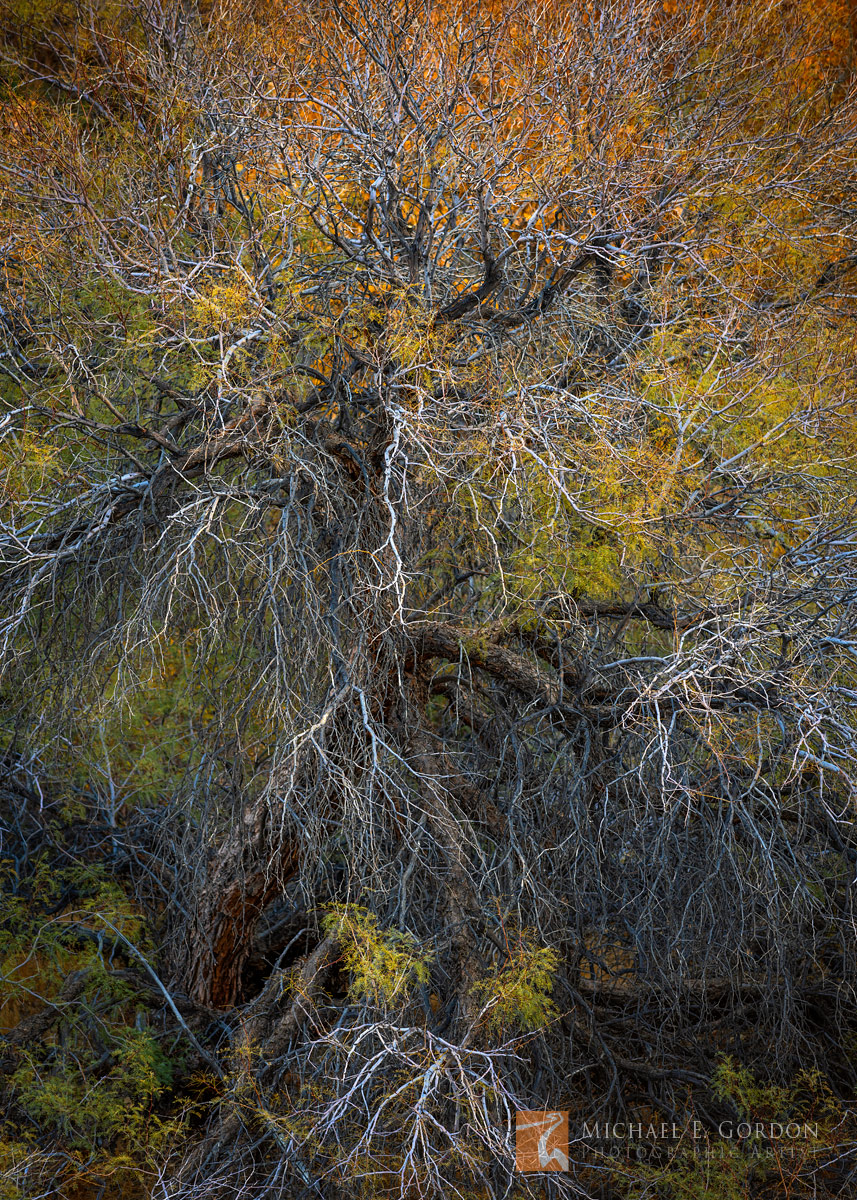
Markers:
point(455, 412)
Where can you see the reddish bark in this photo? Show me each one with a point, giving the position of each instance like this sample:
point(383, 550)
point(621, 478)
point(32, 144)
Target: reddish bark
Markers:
point(248, 874)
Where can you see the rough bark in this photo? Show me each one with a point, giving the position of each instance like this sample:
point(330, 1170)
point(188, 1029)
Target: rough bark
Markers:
point(244, 877)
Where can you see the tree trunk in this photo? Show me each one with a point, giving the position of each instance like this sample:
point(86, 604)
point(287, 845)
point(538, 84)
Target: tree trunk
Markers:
point(246, 874)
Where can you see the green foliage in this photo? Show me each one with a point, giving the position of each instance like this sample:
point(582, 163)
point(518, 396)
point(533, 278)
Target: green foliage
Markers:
point(695, 1176)
point(518, 995)
point(734, 1167)
point(82, 1100)
point(807, 1098)
point(384, 964)
point(85, 1106)
point(32, 946)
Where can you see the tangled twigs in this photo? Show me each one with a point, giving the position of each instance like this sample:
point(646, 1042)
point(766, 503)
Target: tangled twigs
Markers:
point(428, 512)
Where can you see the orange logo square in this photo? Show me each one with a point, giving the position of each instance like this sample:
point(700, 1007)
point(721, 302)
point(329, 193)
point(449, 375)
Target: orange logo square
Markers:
point(541, 1141)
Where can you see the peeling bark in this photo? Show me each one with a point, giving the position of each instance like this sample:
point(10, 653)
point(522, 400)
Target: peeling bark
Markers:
point(245, 877)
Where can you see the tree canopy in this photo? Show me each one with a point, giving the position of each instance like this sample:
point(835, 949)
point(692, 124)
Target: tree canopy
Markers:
point(428, 593)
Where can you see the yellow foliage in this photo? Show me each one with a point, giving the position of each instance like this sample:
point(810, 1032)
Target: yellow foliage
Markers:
point(384, 964)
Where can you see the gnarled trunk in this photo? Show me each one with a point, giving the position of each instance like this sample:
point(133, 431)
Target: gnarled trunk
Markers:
point(245, 875)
